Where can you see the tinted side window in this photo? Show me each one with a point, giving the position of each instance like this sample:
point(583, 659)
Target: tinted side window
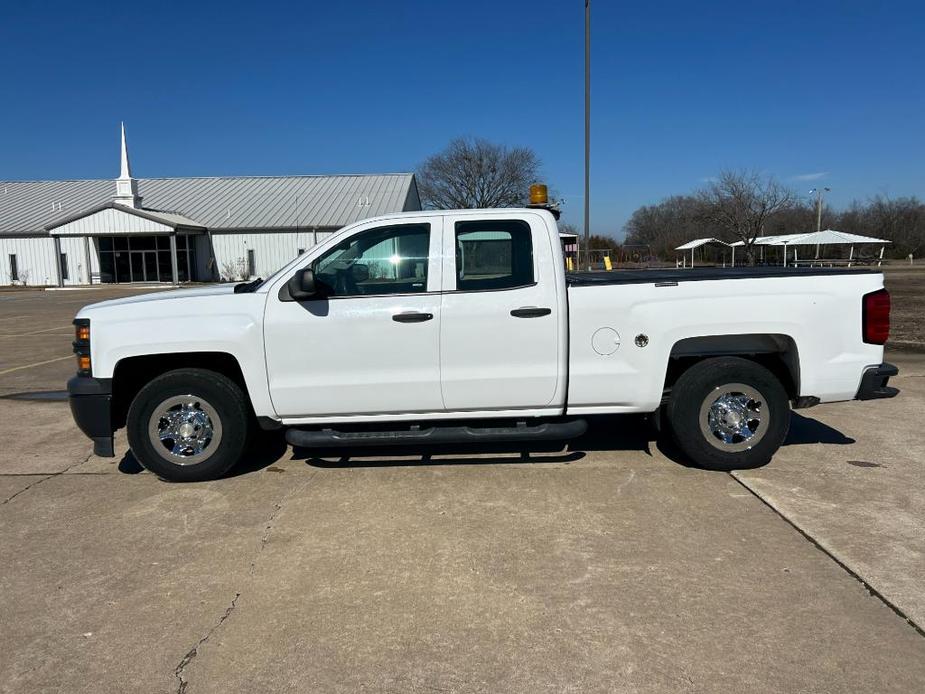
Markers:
point(493, 255)
point(387, 260)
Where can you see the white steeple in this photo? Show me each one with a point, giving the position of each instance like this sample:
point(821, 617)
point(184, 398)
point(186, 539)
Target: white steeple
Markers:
point(126, 186)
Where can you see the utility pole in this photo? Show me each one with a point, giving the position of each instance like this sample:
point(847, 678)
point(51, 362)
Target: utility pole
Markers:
point(588, 130)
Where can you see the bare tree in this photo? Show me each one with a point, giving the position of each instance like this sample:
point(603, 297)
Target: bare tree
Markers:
point(741, 202)
point(901, 220)
point(472, 173)
point(667, 224)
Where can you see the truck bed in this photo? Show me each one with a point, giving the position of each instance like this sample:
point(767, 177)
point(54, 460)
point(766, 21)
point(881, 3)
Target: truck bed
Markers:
point(678, 275)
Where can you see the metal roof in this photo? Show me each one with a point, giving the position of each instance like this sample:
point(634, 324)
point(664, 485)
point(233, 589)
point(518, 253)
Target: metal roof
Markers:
point(826, 237)
point(697, 243)
point(219, 203)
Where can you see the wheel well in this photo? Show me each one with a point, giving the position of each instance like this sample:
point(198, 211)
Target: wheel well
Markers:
point(777, 353)
point(133, 373)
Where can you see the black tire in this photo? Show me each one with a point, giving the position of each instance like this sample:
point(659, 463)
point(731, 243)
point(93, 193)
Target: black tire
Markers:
point(700, 424)
point(217, 403)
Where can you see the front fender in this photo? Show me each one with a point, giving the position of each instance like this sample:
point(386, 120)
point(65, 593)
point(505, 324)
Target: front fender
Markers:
point(231, 324)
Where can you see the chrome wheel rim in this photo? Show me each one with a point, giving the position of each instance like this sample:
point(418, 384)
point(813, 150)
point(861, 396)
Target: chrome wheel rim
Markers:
point(185, 429)
point(734, 417)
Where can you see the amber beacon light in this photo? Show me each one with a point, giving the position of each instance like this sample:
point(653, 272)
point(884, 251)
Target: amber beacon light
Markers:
point(538, 194)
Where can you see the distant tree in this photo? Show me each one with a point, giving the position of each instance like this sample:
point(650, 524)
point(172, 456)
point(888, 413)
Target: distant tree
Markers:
point(475, 173)
point(599, 242)
point(759, 206)
point(741, 203)
point(901, 220)
point(798, 218)
point(666, 225)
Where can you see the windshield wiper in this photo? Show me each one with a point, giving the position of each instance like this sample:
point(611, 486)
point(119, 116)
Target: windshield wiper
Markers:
point(248, 287)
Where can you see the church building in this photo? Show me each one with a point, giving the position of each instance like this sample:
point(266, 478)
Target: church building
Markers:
point(174, 230)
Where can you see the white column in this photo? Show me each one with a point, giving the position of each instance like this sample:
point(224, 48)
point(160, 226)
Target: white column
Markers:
point(173, 258)
point(87, 260)
point(59, 274)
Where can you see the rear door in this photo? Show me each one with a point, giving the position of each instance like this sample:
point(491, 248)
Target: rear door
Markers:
point(501, 338)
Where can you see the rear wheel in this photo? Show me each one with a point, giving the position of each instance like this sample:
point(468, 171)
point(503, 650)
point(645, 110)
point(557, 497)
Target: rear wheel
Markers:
point(189, 425)
point(728, 413)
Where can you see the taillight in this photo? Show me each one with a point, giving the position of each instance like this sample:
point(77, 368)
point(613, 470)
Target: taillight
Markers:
point(875, 317)
point(82, 346)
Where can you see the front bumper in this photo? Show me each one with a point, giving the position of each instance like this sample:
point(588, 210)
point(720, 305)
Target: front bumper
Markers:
point(874, 383)
point(91, 406)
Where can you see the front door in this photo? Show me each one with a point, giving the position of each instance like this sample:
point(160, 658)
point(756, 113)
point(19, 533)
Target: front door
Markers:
point(501, 341)
point(370, 343)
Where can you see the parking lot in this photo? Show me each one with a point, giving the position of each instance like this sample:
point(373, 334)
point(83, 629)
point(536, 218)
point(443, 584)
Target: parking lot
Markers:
point(607, 566)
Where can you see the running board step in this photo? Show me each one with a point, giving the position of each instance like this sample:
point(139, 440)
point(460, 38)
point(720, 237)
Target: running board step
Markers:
point(330, 438)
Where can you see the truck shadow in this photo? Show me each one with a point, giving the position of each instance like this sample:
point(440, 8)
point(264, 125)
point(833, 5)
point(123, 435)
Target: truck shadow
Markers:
point(805, 430)
point(266, 448)
point(605, 433)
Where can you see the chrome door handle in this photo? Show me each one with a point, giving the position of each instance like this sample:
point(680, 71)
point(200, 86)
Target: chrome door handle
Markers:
point(530, 312)
point(412, 317)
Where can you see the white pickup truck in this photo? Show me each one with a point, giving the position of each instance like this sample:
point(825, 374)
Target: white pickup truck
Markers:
point(449, 326)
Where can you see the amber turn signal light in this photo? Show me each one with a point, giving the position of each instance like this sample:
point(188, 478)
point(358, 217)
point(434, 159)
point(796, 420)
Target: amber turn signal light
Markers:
point(82, 345)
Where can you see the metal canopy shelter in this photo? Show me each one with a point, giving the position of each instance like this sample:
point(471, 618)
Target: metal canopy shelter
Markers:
point(826, 237)
point(699, 243)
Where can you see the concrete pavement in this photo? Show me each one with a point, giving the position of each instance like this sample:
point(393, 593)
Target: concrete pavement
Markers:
point(857, 489)
point(606, 567)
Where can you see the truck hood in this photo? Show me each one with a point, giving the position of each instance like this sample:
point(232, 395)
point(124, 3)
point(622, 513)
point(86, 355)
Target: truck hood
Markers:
point(169, 295)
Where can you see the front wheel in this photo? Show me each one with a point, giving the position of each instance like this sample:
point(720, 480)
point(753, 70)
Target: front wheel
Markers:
point(189, 425)
point(728, 413)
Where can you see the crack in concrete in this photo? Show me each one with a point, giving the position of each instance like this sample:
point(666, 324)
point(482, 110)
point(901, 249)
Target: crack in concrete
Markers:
point(873, 592)
point(44, 478)
point(179, 671)
point(182, 682)
point(277, 507)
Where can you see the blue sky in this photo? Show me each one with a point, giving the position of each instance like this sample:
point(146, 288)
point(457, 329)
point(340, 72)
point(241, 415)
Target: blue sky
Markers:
point(833, 92)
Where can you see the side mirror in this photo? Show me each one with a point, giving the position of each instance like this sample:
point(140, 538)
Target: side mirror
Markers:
point(359, 272)
point(302, 285)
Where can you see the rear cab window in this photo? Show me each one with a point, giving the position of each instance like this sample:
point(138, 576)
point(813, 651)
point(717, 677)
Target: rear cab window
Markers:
point(493, 254)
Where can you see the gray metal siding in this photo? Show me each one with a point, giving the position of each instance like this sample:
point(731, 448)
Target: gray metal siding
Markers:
point(35, 260)
point(272, 250)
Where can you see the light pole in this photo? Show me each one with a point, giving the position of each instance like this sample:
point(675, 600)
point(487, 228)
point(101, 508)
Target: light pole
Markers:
point(588, 130)
point(819, 193)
